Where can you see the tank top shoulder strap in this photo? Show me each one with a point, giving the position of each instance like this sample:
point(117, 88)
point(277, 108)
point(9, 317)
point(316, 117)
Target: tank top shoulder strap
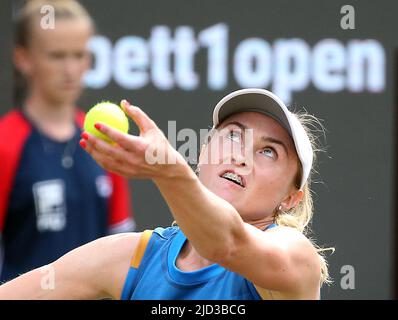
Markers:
point(135, 263)
point(271, 226)
point(139, 252)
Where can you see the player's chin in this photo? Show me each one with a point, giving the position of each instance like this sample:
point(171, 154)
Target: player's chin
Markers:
point(230, 195)
point(68, 96)
point(72, 91)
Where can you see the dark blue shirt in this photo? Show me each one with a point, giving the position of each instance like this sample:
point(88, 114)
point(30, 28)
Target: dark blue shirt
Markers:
point(55, 204)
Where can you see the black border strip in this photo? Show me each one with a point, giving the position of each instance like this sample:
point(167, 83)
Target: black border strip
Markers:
point(395, 175)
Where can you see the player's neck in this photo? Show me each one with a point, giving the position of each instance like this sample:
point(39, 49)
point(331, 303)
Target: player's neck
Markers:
point(262, 223)
point(55, 121)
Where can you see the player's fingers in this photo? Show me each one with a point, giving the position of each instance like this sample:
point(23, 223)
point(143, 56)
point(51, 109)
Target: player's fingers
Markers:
point(126, 141)
point(109, 157)
point(100, 150)
point(142, 120)
point(100, 158)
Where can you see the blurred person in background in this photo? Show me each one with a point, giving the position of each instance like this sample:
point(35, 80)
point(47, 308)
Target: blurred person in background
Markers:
point(53, 195)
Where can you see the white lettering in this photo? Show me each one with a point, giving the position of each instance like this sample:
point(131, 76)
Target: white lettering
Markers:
point(365, 56)
point(48, 20)
point(131, 60)
point(161, 49)
point(287, 65)
point(185, 49)
point(101, 72)
point(252, 63)
point(348, 280)
point(328, 65)
point(216, 39)
point(291, 67)
point(348, 20)
point(47, 282)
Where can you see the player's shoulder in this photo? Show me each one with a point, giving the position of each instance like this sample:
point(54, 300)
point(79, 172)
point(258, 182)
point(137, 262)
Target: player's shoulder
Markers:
point(13, 125)
point(290, 232)
point(11, 118)
point(298, 252)
point(293, 240)
point(105, 252)
point(14, 129)
point(118, 244)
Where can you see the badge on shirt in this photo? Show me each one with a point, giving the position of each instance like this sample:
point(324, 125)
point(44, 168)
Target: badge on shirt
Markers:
point(50, 205)
point(104, 186)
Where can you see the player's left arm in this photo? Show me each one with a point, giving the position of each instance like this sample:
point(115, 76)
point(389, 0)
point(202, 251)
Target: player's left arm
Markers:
point(281, 259)
point(96, 270)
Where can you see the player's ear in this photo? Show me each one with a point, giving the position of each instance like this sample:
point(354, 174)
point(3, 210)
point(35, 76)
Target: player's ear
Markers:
point(292, 200)
point(21, 60)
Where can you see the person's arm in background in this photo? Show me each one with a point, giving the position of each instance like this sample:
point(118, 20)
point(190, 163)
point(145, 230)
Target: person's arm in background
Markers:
point(96, 270)
point(14, 130)
point(120, 217)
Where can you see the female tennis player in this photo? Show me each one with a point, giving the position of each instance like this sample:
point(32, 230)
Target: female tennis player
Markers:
point(240, 219)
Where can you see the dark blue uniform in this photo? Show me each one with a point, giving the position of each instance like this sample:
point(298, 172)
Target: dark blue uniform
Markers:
point(58, 199)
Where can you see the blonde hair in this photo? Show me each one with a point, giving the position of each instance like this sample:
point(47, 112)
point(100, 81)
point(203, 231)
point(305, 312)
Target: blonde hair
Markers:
point(63, 9)
point(25, 18)
point(300, 216)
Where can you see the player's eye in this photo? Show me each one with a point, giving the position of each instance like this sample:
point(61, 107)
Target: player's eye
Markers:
point(269, 152)
point(56, 55)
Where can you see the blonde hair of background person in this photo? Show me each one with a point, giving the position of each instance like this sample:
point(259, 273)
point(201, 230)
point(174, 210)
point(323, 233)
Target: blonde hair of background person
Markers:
point(29, 18)
point(224, 223)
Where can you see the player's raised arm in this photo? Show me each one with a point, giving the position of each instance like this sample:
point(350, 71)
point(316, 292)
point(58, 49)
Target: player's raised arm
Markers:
point(241, 190)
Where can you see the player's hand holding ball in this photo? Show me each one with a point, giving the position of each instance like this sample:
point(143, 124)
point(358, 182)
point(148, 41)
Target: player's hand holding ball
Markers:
point(148, 155)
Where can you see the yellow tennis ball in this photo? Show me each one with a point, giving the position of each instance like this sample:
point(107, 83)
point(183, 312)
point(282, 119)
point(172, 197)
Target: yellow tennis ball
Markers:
point(108, 113)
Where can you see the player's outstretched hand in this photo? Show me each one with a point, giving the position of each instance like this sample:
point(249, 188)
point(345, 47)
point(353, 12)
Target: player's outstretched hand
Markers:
point(149, 155)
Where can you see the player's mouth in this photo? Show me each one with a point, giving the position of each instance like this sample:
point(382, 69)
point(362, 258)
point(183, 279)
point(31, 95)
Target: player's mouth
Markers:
point(71, 85)
point(232, 176)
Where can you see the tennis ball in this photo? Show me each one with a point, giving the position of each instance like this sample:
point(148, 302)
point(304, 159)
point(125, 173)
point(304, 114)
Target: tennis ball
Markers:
point(108, 113)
